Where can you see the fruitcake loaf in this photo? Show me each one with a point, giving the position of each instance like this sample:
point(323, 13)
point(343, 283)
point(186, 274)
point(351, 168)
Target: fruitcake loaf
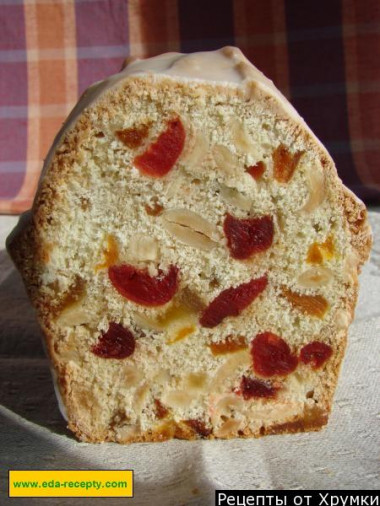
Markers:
point(192, 255)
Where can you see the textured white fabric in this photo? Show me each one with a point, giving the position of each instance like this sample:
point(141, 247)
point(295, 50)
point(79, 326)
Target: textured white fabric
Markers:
point(345, 455)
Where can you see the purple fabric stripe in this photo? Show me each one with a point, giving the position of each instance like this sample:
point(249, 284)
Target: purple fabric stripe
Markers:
point(102, 28)
point(320, 62)
point(11, 178)
point(13, 99)
point(205, 25)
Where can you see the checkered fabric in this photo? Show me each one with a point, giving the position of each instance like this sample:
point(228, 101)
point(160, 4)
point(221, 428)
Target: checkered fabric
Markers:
point(323, 55)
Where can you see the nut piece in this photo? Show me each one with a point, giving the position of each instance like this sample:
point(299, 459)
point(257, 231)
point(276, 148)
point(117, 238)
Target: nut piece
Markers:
point(315, 277)
point(178, 399)
point(196, 152)
point(73, 315)
point(140, 398)
point(225, 160)
point(189, 228)
point(233, 197)
point(132, 376)
point(315, 180)
point(228, 403)
point(192, 220)
point(71, 308)
point(196, 382)
point(143, 321)
point(229, 369)
point(143, 248)
point(241, 138)
point(229, 428)
point(350, 269)
point(342, 319)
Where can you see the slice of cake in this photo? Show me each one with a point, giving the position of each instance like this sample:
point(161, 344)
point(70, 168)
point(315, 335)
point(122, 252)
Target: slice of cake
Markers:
point(192, 255)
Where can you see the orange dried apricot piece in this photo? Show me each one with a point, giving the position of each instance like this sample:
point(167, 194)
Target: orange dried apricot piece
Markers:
point(133, 137)
point(229, 345)
point(160, 410)
point(285, 163)
point(312, 305)
point(257, 170)
point(154, 210)
point(320, 251)
point(110, 253)
point(199, 427)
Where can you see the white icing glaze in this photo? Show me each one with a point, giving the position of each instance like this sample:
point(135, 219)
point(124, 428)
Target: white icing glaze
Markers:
point(227, 66)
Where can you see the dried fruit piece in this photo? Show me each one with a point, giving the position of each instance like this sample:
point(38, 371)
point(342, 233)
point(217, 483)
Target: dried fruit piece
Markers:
point(315, 277)
point(182, 333)
point(312, 305)
point(155, 209)
point(248, 236)
point(257, 170)
point(315, 354)
point(199, 427)
point(117, 342)
point(138, 286)
point(229, 345)
point(285, 163)
point(314, 254)
point(318, 252)
point(179, 322)
point(232, 301)
point(110, 253)
point(133, 137)
point(272, 356)
point(253, 388)
point(161, 156)
point(160, 410)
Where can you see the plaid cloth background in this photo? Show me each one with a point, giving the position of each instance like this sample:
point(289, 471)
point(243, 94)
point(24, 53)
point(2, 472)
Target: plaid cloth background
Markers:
point(324, 55)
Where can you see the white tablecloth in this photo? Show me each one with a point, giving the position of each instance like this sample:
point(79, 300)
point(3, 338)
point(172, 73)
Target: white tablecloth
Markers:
point(345, 455)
